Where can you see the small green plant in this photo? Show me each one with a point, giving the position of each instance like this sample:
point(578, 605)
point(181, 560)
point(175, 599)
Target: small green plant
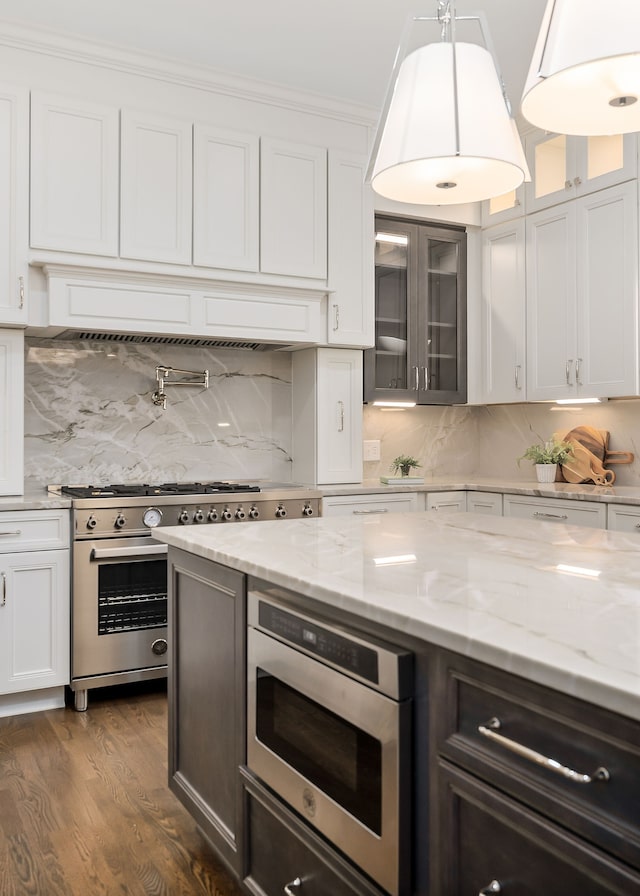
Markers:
point(403, 464)
point(550, 452)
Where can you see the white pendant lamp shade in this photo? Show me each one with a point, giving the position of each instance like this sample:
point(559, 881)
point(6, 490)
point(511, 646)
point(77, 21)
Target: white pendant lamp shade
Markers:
point(585, 72)
point(424, 156)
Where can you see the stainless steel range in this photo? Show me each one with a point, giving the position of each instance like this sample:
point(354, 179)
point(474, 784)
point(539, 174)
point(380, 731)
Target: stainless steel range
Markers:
point(119, 584)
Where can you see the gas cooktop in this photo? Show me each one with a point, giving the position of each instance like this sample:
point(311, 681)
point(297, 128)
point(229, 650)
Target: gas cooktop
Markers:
point(165, 488)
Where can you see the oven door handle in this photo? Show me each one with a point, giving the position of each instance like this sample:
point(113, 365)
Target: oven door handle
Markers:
point(109, 553)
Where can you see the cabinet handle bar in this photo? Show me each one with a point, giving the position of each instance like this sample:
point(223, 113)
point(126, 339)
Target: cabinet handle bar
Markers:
point(288, 888)
point(4, 590)
point(382, 510)
point(16, 532)
point(551, 516)
point(21, 291)
point(490, 730)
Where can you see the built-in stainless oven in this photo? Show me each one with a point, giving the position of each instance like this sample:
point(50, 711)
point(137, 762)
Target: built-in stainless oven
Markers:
point(329, 731)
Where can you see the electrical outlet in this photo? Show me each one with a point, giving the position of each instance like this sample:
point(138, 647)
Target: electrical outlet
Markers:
point(371, 449)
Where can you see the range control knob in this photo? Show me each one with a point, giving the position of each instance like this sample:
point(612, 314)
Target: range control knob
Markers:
point(212, 516)
point(240, 514)
point(184, 517)
point(280, 512)
point(307, 510)
point(226, 514)
point(198, 516)
point(254, 513)
point(92, 522)
point(120, 521)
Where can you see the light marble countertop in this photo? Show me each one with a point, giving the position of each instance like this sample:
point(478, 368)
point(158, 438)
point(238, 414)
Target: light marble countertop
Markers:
point(580, 492)
point(557, 604)
point(35, 497)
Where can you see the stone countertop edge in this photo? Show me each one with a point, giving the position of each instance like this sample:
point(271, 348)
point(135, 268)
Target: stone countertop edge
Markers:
point(35, 497)
point(486, 587)
point(606, 494)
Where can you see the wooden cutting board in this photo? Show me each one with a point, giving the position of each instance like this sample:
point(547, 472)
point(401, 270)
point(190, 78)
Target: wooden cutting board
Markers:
point(583, 466)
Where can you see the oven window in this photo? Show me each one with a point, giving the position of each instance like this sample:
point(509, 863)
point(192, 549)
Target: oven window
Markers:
point(132, 596)
point(340, 759)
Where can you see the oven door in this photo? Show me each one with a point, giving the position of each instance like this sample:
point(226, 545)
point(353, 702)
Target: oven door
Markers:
point(119, 606)
point(336, 751)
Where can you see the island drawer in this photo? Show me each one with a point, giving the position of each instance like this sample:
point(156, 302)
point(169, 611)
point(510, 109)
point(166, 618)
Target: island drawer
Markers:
point(282, 849)
point(509, 849)
point(503, 728)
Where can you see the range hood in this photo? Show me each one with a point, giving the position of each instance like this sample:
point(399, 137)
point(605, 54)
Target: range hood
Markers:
point(151, 308)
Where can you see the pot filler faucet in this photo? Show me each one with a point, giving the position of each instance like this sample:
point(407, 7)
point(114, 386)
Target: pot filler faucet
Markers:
point(163, 374)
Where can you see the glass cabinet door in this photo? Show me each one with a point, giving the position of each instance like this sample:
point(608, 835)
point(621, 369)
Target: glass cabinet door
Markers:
point(420, 343)
point(387, 368)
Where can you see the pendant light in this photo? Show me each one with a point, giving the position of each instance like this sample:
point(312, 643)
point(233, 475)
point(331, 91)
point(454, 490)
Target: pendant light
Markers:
point(446, 134)
point(585, 71)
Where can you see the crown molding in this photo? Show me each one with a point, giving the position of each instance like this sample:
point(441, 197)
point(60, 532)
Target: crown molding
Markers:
point(48, 42)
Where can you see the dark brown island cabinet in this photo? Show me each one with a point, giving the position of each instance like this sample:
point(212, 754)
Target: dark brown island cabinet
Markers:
point(516, 788)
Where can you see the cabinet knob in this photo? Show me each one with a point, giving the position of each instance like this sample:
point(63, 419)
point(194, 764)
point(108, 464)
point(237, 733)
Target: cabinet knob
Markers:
point(493, 887)
point(568, 185)
point(295, 884)
point(577, 181)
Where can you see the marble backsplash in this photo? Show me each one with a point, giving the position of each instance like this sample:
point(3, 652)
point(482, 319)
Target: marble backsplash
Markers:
point(89, 418)
point(487, 441)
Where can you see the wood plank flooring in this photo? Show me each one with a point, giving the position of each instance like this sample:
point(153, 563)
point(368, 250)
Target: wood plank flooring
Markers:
point(85, 809)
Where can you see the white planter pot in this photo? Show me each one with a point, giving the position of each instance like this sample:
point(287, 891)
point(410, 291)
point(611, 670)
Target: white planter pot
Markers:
point(546, 472)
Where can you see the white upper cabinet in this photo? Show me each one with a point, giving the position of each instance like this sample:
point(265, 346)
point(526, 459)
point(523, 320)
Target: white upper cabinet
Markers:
point(565, 168)
point(226, 174)
point(293, 209)
point(582, 271)
point(503, 313)
point(14, 187)
point(155, 188)
point(503, 208)
point(74, 175)
point(351, 253)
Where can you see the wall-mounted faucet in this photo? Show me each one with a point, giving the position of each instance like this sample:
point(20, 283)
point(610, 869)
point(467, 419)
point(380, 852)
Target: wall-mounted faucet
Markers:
point(196, 378)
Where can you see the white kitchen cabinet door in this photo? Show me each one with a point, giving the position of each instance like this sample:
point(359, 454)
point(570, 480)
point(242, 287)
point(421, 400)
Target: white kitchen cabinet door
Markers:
point(351, 253)
point(226, 174)
point(11, 412)
point(14, 189)
point(74, 175)
point(293, 209)
point(155, 188)
point(503, 208)
point(607, 297)
point(502, 349)
point(556, 510)
point(551, 303)
point(369, 505)
point(34, 620)
point(327, 415)
point(564, 168)
point(582, 269)
point(456, 501)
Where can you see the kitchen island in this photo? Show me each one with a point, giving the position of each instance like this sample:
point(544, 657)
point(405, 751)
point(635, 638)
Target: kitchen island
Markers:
point(536, 623)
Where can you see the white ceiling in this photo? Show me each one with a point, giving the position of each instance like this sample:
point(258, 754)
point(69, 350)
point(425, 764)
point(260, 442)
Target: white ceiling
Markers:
point(338, 48)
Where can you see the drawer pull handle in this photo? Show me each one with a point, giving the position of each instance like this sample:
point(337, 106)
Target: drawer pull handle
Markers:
point(297, 884)
point(551, 516)
point(493, 887)
point(489, 730)
point(4, 590)
point(361, 512)
point(17, 532)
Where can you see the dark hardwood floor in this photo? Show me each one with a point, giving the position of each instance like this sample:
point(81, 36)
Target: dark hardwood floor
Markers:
point(85, 808)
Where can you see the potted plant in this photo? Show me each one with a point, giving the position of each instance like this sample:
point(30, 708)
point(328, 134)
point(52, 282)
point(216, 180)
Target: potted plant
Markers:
point(403, 464)
point(546, 455)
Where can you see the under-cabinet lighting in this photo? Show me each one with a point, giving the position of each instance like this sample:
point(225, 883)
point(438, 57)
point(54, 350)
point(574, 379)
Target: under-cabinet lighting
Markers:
point(580, 400)
point(396, 238)
point(394, 404)
point(578, 571)
point(394, 561)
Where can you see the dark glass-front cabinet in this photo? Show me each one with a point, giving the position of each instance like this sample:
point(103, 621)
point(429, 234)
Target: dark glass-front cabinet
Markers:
point(420, 344)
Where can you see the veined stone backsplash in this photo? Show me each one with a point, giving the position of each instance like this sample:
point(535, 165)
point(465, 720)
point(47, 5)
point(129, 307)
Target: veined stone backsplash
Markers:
point(89, 417)
point(487, 441)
